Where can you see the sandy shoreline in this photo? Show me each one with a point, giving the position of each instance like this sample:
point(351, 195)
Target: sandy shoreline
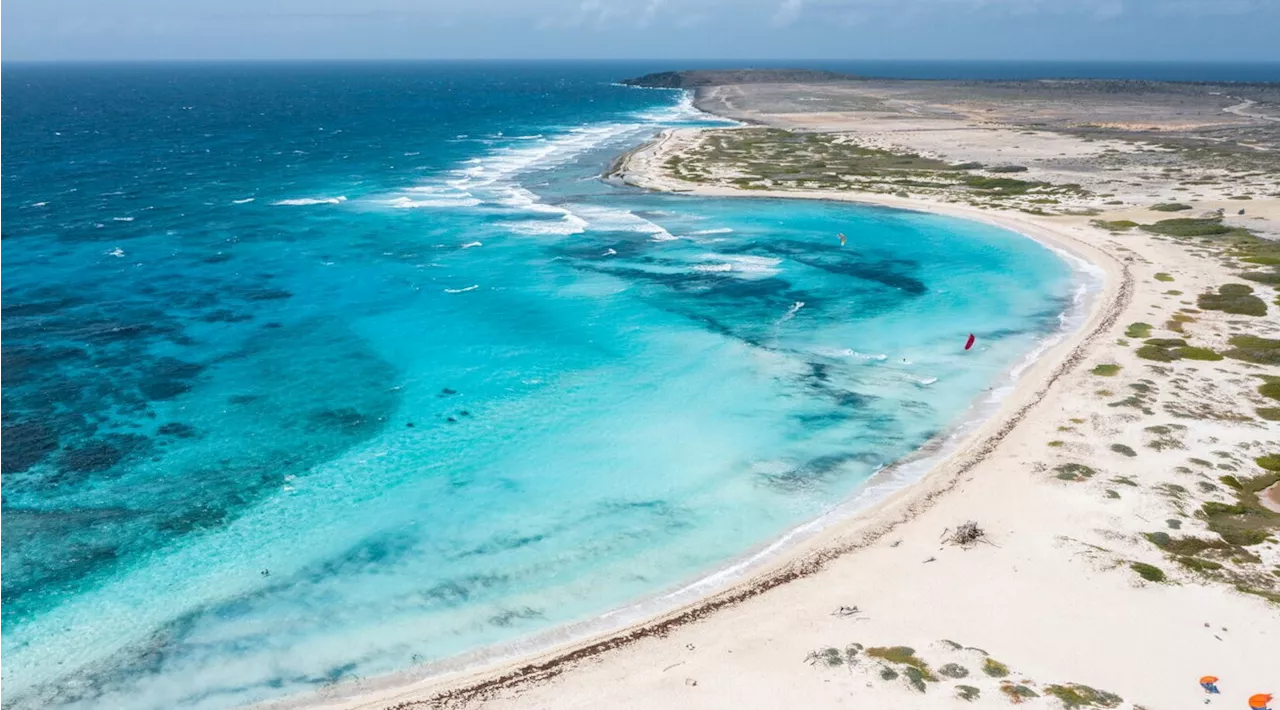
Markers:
point(1055, 544)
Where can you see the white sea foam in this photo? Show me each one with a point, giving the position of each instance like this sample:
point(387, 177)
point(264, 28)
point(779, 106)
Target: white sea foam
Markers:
point(718, 230)
point(468, 245)
point(713, 268)
point(462, 290)
point(117, 252)
point(747, 266)
point(39, 204)
point(241, 202)
point(122, 219)
point(609, 252)
point(408, 203)
point(303, 201)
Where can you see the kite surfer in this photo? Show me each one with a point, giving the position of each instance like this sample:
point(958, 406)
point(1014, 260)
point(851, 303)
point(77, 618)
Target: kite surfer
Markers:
point(843, 239)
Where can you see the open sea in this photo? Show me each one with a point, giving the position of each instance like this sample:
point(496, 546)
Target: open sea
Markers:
point(319, 372)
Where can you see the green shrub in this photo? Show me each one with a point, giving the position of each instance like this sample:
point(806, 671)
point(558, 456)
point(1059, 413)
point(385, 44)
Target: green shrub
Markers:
point(1162, 276)
point(1017, 693)
point(1199, 565)
point(1118, 225)
point(1008, 169)
point(1154, 352)
point(994, 668)
point(1151, 573)
point(1193, 353)
point(1237, 299)
point(1170, 207)
point(1250, 348)
point(1074, 695)
point(1138, 330)
point(1271, 414)
point(1122, 449)
point(1270, 462)
point(967, 692)
point(954, 670)
point(1108, 370)
point(1167, 342)
point(1187, 227)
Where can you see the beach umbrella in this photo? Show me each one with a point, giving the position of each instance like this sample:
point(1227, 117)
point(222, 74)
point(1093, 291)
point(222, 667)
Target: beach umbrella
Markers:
point(1259, 701)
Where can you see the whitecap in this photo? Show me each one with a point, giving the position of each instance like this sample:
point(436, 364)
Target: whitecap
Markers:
point(117, 252)
point(468, 245)
point(303, 201)
point(409, 203)
point(713, 268)
point(718, 230)
point(926, 381)
point(241, 202)
point(121, 219)
point(610, 252)
point(462, 290)
point(39, 204)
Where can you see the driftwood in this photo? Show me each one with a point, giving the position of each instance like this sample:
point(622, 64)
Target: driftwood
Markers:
point(966, 534)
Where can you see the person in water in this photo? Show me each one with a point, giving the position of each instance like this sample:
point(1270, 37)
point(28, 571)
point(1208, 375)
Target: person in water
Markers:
point(842, 238)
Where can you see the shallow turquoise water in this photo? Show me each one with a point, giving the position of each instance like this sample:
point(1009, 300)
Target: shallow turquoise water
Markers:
point(316, 374)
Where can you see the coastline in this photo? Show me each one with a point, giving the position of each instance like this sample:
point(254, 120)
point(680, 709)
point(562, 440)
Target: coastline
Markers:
point(1052, 540)
point(803, 550)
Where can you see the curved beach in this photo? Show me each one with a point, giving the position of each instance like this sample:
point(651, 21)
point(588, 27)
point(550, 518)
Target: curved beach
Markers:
point(1052, 596)
point(913, 486)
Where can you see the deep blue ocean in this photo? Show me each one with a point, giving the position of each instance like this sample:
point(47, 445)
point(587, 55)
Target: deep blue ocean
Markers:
point(319, 372)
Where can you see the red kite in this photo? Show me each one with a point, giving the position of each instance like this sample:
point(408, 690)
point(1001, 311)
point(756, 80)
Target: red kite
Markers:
point(969, 343)
point(1259, 701)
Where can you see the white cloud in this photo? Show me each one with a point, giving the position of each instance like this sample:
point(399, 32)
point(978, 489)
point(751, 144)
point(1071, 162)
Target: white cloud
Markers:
point(787, 13)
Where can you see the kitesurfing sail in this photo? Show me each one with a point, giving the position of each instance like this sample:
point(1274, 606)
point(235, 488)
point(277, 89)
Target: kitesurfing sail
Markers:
point(969, 343)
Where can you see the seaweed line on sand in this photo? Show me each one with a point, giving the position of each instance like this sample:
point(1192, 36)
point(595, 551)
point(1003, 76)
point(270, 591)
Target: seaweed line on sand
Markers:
point(807, 565)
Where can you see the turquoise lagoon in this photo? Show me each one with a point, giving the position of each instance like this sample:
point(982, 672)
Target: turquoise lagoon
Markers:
point(322, 372)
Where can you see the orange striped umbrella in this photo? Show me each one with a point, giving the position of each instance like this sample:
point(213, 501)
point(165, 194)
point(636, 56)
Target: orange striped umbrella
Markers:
point(1209, 679)
point(1259, 701)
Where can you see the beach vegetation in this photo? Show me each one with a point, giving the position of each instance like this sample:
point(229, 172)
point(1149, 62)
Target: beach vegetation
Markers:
point(1057, 443)
point(1138, 330)
point(916, 678)
point(1271, 414)
point(1188, 227)
point(1007, 169)
point(1123, 450)
point(1112, 494)
point(1162, 276)
point(1017, 692)
point(967, 692)
point(1237, 299)
point(1106, 370)
point(1151, 573)
point(1118, 225)
point(904, 656)
point(1170, 207)
point(994, 668)
point(1196, 564)
point(1251, 348)
point(1074, 695)
point(1074, 472)
point(1124, 481)
point(887, 673)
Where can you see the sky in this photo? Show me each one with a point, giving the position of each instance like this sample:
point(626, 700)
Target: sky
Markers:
point(1190, 30)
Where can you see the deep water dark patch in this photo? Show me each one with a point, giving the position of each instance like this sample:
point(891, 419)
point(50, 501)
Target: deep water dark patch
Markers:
point(25, 443)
